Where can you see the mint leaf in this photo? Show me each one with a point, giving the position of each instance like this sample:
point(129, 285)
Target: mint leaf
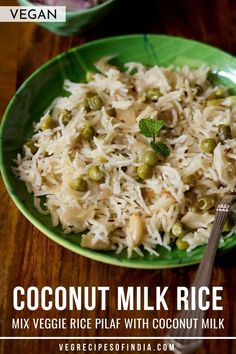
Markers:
point(150, 127)
point(160, 148)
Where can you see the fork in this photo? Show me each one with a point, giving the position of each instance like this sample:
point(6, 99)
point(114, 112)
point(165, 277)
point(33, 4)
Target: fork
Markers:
point(202, 278)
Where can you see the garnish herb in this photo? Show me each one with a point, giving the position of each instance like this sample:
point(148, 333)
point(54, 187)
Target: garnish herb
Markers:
point(150, 128)
point(160, 148)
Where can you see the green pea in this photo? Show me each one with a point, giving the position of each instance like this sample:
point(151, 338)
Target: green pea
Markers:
point(85, 104)
point(66, 117)
point(88, 132)
point(30, 144)
point(153, 94)
point(221, 92)
point(144, 171)
point(181, 244)
point(190, 180)
point(143, 98)
point(101, 136)
point(102, 159)
point(181, 116)
point(149, 157)
point(95, 103)
point(111, 112)
point(95, 174)
point(89, 76)
point(48, 123)
point(214, 102)
point(79, 185)
point(93, 145)
point(208, 145)
point(90, 94)
point(178, 229)
point(205, 203)
point(228, 225)
point(224, 132)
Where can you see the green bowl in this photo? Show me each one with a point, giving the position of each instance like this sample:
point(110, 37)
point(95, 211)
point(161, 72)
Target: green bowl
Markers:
point(76, 21)
point(46, 83)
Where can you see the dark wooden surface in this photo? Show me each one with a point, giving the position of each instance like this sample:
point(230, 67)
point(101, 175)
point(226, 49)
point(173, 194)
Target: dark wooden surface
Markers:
point(27, 257)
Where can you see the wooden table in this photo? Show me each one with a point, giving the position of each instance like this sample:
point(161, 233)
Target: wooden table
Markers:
point(27, 257)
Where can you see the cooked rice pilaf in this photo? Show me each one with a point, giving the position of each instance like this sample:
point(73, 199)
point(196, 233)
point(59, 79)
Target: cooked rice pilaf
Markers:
point(85, 154)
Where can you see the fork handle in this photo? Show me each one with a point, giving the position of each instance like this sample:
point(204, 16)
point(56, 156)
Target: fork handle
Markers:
point(204, 271)
point(202, 278)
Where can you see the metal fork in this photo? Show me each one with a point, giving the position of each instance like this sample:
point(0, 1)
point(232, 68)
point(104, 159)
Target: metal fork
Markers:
point(202, 278)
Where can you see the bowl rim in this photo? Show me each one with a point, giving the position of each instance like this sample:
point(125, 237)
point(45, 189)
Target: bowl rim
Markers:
point(98, 256)
point(77, 12)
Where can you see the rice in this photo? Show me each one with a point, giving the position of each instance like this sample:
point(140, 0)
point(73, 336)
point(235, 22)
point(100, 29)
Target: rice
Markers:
point(105, 209)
